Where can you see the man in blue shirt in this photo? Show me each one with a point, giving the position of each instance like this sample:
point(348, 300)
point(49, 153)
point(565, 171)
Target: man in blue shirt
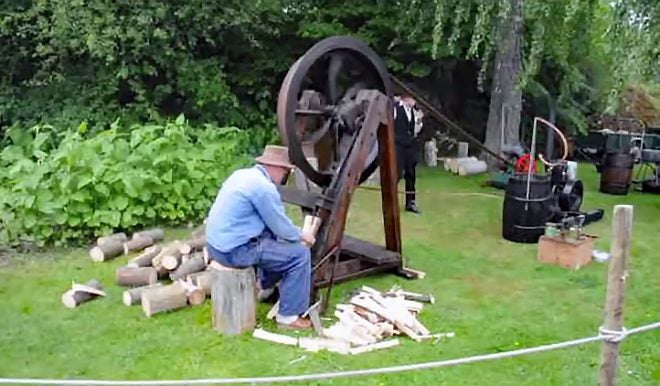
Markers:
point(247, 226)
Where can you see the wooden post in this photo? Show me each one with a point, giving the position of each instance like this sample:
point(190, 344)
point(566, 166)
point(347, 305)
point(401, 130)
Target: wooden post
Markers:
point(234, 300)
point(616, 290)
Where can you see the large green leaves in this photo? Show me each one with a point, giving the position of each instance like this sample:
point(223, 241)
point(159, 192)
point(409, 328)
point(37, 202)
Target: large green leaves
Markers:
point(159, 174)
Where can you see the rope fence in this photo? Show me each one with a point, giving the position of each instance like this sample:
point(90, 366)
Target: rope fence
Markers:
point(603, 335)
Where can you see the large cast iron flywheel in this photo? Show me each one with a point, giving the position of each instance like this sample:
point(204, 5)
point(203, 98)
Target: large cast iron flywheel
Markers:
point(317, 113)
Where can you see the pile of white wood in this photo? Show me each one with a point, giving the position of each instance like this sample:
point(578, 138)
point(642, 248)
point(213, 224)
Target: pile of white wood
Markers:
point(465, 166)
point(161, 277)
point(369, 321)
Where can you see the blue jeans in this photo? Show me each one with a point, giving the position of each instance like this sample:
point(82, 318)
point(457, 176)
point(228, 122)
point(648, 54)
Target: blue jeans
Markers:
point(275, 260)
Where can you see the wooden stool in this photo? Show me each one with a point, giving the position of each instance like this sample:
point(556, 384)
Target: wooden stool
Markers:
point(233, 299)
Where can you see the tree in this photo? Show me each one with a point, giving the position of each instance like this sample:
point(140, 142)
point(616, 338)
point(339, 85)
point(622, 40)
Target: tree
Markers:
point(506, 95)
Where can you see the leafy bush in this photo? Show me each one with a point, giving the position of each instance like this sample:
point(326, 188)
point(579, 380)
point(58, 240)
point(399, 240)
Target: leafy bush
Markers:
point(69, 189)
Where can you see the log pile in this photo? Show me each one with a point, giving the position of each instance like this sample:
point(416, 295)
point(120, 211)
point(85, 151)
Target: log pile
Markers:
point(160, 276)
point(465, 166)
point(370, 320)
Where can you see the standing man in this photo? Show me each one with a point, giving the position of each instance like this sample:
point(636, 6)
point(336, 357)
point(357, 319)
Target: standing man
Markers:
point(406, 127)
point(247, 226)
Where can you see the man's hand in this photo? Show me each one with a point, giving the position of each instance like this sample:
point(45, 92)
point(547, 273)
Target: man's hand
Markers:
point(307, 238)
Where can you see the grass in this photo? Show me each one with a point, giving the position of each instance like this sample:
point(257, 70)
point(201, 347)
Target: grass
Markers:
point(492, 293)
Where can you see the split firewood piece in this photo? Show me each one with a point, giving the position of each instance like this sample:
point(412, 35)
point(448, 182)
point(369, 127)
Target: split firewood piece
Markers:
point(203, 280)
point(420, 328)
point(196, 295)
point(136, 277)
point(162, 299)
point(194, 264)
point(385, 329)
point(107, 250)
point(145, 258)
point(348, 331)
point(137, 244)
point(272, 337)
point(156, 234)
point(438, 336)
point(121, 236)
point(193, 245)
point(311, 224)
point(400, 320)
point(370, 316)
point(374, 346)
point(411, 296)
point(273, 311)
point(317, 344)
point(350, 318)
point(133, 296)
point(80, 293)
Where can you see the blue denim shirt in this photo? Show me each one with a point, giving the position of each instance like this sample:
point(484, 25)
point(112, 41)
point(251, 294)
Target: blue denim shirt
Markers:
point(248, 202)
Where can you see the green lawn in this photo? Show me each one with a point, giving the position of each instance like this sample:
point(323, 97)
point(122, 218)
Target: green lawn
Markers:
point(492, 293)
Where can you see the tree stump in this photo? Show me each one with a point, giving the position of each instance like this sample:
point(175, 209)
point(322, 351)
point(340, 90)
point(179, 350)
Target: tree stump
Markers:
point(233, 297)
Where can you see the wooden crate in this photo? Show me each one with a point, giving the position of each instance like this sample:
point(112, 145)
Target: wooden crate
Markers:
point(566, 253)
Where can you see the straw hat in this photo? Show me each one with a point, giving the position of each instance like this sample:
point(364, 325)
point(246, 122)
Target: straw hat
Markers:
point(275, 156)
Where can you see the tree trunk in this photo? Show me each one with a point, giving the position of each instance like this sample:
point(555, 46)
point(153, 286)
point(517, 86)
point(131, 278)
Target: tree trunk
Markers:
point(506, 97)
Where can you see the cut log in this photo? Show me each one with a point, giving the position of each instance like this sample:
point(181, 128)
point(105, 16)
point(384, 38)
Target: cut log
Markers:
point(196, 295)
point(463, 149)
point(194, 264)
point(204, 280)
point(156, 234)
point(121, 236)
point(460, 161)
point(234, 297)
point(133, 296)
point(194, 245)
point(162, 299)
point(145, 258)
point(170, 257)
point(138, 244)
point(472, 167)
point(107, 250)
point(136, 277)
point(73, 297)
point(431, 153)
